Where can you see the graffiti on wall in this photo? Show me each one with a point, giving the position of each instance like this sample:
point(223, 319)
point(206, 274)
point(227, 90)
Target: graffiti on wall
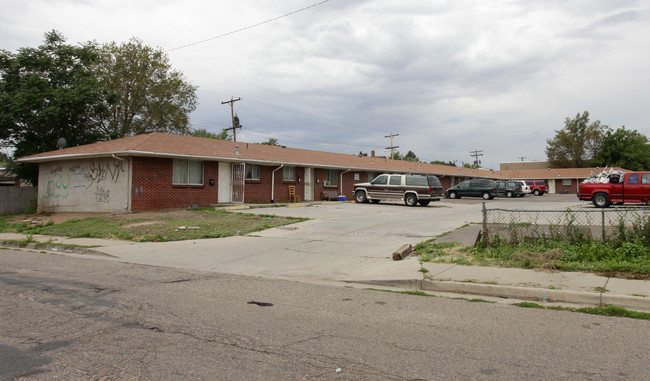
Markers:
point(57, 185)
point(85, 184)
point(98, 171)
point(102, 195)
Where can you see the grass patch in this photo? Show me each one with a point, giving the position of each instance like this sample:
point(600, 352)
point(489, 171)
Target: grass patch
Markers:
point(475, 300)
point(630, 259)
point(420, 293)
point(602, 311)
point(163, 226)
point(528, 305)
point(417, 293)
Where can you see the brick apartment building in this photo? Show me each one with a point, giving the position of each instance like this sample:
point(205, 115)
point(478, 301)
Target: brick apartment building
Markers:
point(158, 171)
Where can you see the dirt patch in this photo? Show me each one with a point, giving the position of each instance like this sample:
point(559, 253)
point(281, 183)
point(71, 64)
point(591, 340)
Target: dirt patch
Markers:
point(143, 223)
point(624, 275)
point(58, 218)
point(540, 260)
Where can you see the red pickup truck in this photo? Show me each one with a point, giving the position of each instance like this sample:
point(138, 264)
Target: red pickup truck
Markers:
point(628, 187)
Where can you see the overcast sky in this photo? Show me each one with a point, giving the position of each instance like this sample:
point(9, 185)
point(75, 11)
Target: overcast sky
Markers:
point(449, 77)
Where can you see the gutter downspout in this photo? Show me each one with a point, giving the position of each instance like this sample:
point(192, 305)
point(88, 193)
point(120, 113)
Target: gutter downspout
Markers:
point(342, 180)
point(273, 182)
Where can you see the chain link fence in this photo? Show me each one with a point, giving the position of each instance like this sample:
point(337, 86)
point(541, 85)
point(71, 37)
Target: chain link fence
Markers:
point(575, 226)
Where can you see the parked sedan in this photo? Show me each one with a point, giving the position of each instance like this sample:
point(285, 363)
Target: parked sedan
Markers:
point(474, 188)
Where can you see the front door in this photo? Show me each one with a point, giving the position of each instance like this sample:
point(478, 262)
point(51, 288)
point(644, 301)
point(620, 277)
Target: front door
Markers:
point(309, 184)
point(225, 182)
point(238, 182)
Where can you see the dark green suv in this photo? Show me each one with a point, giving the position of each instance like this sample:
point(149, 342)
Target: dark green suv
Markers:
point(509, 188)
point(474, 188)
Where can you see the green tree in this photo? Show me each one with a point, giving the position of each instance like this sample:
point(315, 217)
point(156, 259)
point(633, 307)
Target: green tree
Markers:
point(396, 155)
point(271, 142)
point(448, 163)
point(411, 156)
point(623, 148)
point(203, 133)
point(362, 154)
point(577, 143)
point(47, 93)
point(142, 91)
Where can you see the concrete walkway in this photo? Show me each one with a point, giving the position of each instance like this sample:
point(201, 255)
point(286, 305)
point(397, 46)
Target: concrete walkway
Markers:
point(268, 256)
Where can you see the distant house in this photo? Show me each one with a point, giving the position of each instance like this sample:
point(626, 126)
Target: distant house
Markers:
point(158, 171)
point(7, 179)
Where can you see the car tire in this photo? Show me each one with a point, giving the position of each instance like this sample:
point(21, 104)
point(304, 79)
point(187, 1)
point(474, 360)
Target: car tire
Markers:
point(424, 202)
point(537, 192)
point(360, 197)
point(410, 199)
point(453, 195)
point(486, 196)
point(600, 200)
point(509, 194)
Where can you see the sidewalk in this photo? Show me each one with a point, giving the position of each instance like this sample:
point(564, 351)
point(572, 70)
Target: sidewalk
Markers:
point(208, 255)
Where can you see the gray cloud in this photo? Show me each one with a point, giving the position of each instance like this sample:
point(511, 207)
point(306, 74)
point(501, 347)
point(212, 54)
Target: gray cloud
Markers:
point(449, 77)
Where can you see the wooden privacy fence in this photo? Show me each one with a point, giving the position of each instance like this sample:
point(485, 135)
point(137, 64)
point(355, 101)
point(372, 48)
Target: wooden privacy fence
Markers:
point(16, 200)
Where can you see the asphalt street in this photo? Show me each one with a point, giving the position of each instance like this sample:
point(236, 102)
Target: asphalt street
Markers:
point(347, 243)
point(73, 318)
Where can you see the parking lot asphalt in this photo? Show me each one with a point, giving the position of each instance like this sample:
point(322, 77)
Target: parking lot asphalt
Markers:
point(353, 244)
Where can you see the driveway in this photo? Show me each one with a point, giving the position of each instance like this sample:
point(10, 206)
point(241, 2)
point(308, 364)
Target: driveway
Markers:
point(341, 242)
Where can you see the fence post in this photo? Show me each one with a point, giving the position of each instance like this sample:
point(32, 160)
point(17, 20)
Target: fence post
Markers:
point(603, 223)
point(484, 227)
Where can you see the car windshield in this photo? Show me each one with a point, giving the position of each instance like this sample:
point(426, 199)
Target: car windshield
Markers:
point(380, 180)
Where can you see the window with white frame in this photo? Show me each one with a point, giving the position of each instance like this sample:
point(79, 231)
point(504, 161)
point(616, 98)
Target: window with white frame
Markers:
point(187, 172)
point(331, 177)
point(566, 182)
point(252, 172)
point(288, 173)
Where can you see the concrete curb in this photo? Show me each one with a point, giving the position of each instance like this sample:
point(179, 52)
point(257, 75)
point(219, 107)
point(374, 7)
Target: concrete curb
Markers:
point(54, 248)
point(523, 293)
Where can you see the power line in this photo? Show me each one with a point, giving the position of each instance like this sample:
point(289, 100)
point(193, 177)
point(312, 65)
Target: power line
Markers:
point(248, 27)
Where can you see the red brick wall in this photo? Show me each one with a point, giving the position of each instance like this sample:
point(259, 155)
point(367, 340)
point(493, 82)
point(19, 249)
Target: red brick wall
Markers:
point(320, 175)
point(564, 189)
point(446, 182)
point(152, 187)
point(259, 191)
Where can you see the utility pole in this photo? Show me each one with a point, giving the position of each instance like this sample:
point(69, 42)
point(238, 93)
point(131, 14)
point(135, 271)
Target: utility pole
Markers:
point(476, 154)
point(235, 119)
point(392, 147)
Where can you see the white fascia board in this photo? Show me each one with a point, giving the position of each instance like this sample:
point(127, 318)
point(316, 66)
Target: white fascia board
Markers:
point(193, 157)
